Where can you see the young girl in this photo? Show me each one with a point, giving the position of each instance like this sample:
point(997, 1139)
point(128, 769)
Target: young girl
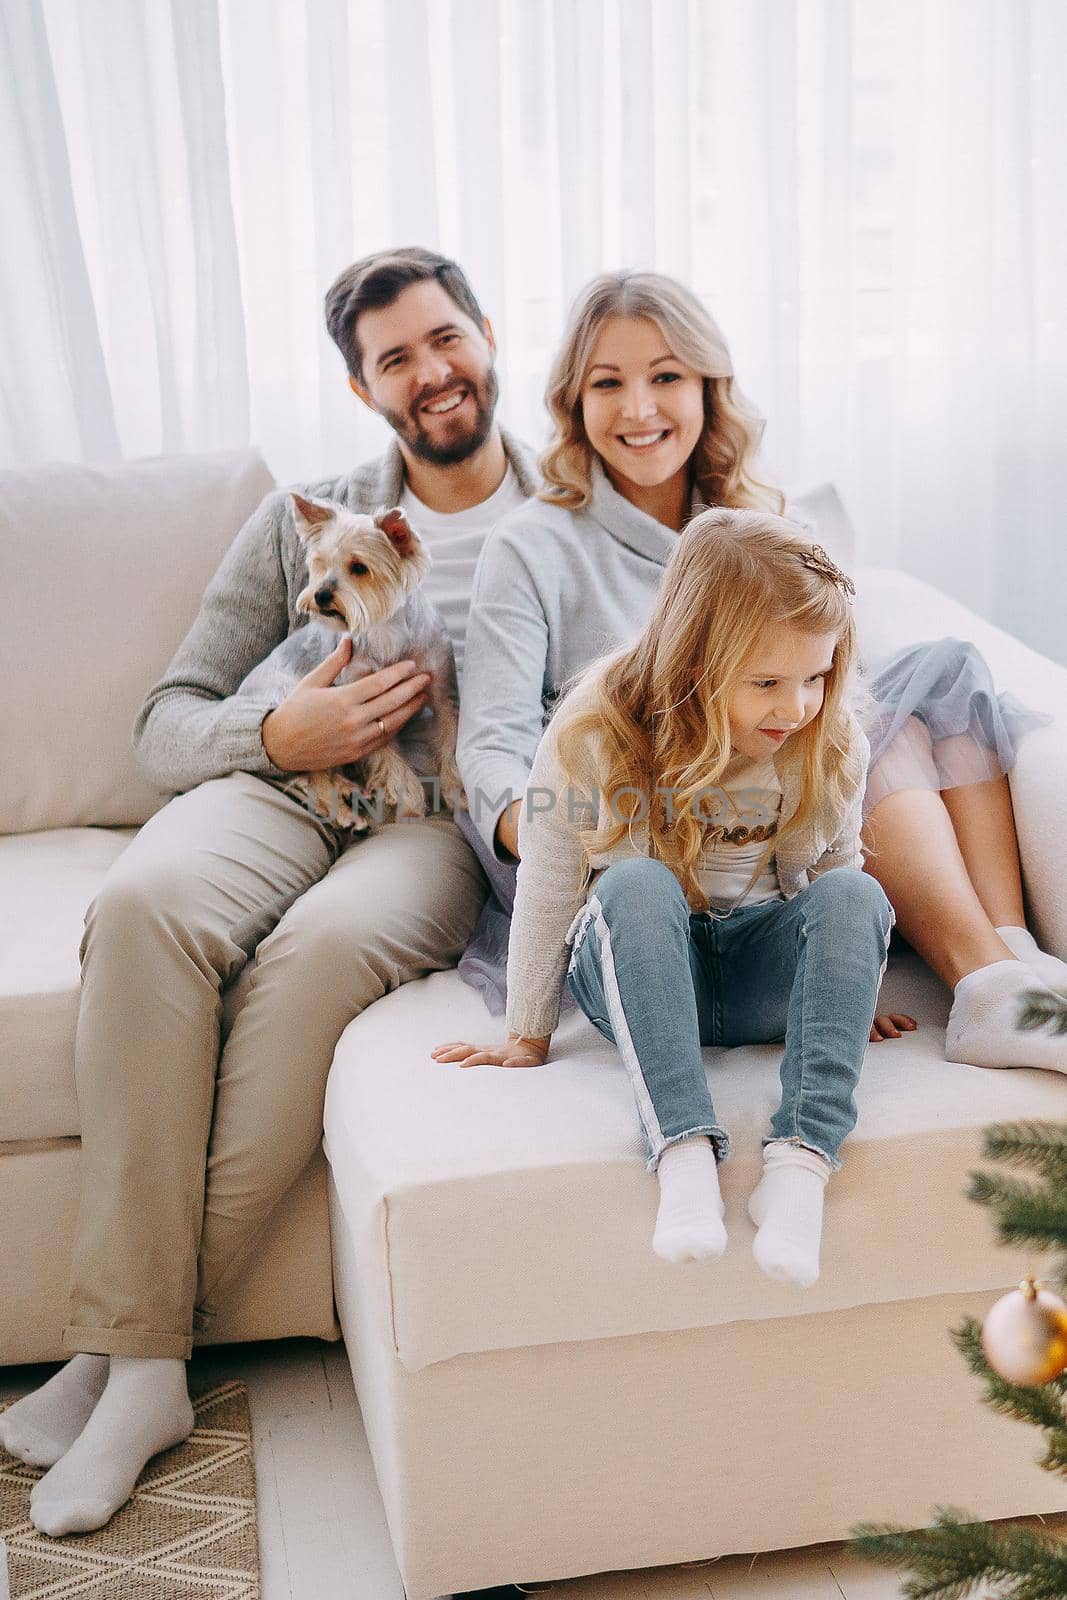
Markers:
point(685, 807)
point(649, 428)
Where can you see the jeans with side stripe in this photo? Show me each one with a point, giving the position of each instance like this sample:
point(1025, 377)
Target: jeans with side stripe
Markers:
point(660, 982)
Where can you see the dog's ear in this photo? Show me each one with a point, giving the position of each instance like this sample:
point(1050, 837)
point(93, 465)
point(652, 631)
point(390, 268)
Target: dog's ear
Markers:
point(398, 530)
point(309, 515)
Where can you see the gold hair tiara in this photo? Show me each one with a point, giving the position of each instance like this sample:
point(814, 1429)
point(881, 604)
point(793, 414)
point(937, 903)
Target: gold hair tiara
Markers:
point(820, 562)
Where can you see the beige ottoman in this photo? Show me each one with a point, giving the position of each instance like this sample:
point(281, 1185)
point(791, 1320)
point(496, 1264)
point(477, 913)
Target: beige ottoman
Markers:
point(544, 1397)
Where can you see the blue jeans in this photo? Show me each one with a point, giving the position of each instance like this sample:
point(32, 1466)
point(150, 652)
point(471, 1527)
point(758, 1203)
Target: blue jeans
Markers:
point(660, 982)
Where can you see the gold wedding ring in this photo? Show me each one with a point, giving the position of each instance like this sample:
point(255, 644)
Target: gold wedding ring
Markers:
point(381, 726)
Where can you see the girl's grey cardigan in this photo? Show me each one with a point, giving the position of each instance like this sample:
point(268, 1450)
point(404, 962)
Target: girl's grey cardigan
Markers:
point(554, 870)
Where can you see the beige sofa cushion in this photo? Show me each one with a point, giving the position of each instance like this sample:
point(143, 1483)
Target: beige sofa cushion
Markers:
point(101, 574)
point(46, 883)
point(286, 1293)
point(516, 1209)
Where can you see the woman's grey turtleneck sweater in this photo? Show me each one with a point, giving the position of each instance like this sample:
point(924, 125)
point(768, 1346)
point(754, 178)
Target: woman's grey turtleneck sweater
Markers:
point(553, 589)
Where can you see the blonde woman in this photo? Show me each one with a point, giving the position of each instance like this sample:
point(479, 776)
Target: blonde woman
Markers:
point(698, 788)
point(648, 428)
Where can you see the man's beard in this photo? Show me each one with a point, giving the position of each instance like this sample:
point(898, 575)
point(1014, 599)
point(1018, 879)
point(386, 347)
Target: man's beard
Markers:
point(406, 425)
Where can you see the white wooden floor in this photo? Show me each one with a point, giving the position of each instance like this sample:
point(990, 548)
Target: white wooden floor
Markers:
point(313, 1467)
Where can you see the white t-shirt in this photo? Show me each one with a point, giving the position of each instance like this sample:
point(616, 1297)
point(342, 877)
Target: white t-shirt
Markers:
point(742, 814)
point(454, 540)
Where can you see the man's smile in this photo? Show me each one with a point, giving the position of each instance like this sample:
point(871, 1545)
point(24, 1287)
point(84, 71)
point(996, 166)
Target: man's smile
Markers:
point(449, 402)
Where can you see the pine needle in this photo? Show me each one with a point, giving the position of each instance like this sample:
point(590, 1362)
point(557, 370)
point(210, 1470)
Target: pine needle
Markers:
point(1025, 1213)
point(955, 1555)
point(1041, 1146)
point(1041, 1009)
point(1042, 1405)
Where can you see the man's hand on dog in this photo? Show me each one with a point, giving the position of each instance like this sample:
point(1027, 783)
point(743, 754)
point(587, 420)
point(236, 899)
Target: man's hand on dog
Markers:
point(321, 724)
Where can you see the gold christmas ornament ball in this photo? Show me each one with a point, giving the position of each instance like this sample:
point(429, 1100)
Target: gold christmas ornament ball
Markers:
point(1024, 1335)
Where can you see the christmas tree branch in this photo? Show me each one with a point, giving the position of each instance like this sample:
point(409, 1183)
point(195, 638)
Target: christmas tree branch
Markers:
point(1040, 1404)
point(952, 1558)
point(1042, 1146)
point(949, 1560)
point(1025, 1213)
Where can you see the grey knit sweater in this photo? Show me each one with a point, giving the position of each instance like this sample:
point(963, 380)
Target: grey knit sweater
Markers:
point(189, 728)
point(554, 588)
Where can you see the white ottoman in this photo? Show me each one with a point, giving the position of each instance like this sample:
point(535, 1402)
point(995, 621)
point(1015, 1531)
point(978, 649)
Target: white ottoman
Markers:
point(544, 1397)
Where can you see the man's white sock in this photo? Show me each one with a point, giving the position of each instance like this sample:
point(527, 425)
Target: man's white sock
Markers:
point(1050, 969)
point(983, 1025)
point(786, 1207)
point(145, 1408)
point(42, 1426)
point(689, 1223)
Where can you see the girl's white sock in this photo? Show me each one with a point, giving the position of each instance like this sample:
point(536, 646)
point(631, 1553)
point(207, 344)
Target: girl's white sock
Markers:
point(983, 1025)
point(42, 1426)
point(145, 1408)
point(787, 1210)
point(1050, 969)
point(689, 1223)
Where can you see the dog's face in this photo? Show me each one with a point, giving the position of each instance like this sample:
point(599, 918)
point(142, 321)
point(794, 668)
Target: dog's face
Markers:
point(360, 569)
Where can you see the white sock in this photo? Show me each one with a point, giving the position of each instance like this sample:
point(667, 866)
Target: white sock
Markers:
point(983, 1028)
point(42, 1426)
point(1050, 969)
point(787, 1210)
point(145, 1408)
point(689, 1221)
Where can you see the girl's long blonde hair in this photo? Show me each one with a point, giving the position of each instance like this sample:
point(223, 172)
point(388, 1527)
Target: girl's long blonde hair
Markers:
point(724, 457)
point(658, 712)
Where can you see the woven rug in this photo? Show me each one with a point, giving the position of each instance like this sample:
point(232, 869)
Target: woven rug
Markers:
point(189, 1533)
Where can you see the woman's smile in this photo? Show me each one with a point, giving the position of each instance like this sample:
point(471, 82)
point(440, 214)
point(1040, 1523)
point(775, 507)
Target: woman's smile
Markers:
point(643, 412)
point(643, 442)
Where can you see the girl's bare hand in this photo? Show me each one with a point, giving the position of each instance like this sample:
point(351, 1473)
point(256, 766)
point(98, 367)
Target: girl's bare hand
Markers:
point(516, 1052)
point(890, 1025)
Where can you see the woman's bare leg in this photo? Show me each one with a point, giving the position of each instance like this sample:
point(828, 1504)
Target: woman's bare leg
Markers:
point(984, 824)
point(949, 863)
point(914, 853)
point(920, 864)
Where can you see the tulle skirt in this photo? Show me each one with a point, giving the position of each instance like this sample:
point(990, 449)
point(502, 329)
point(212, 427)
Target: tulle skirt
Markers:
point(937, 722)
point(934, 720)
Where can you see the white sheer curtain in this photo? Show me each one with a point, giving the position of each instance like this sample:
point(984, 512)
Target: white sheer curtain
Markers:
point(872, 199)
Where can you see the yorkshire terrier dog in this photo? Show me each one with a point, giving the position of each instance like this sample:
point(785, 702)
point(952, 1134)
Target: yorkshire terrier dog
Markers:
point(364, 578)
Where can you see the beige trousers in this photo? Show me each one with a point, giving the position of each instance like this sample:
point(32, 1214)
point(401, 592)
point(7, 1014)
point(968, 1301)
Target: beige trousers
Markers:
point(186, 1151)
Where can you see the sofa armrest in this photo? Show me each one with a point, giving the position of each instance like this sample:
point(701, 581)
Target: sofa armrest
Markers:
point(894, 609)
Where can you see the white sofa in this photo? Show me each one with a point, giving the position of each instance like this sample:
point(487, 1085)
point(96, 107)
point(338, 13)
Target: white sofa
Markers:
point(543, 1397)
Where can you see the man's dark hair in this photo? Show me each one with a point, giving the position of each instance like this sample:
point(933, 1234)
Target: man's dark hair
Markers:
point(377, 280)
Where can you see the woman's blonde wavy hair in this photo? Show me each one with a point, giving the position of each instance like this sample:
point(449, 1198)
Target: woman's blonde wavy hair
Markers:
point(657, 713)
point(724, 457)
